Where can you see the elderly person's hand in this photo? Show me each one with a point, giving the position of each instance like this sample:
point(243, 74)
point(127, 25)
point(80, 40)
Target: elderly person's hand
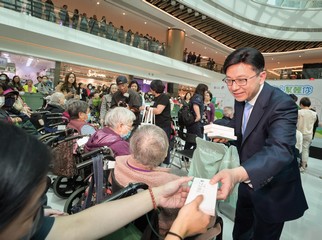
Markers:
point(229, 178)
point(190, 221)
point(172, 194)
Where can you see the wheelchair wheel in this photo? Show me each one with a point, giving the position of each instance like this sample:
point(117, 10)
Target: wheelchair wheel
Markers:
point(73, 203)
point(63, 187)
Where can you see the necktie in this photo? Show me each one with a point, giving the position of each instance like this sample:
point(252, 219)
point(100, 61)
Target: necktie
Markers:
point(247, 109)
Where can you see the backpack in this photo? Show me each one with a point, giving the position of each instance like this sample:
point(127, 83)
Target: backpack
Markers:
point(185, 116)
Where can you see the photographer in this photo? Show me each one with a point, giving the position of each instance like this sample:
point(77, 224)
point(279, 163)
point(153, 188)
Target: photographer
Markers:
point(126, 97)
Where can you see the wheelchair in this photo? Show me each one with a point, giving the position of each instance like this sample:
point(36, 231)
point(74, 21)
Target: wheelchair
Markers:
point(70, 164)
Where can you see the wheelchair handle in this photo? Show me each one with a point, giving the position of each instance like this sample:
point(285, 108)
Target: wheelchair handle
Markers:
point(129, 190)
point(93, 152)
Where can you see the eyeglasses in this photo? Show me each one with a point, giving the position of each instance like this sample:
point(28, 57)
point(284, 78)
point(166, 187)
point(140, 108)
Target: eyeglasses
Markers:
point(239, 82)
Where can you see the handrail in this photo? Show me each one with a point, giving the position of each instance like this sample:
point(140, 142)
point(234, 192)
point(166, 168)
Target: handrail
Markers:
point(52, 13)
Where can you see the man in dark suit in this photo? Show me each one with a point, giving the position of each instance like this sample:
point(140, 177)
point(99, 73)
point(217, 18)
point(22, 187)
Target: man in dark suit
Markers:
point(270, 190)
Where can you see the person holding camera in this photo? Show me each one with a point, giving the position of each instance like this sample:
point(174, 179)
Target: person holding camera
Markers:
point(126, 97)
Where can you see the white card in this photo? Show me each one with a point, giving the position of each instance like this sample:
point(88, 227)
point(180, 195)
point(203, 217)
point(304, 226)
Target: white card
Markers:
point(61, 127)
point(82, 141)
point(201, 186)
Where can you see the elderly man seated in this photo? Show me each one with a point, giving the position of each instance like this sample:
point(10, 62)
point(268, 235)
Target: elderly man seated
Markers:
point(118, 127)
point(149, 146)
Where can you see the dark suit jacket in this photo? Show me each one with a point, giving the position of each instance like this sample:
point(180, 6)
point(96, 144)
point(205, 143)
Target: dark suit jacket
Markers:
point(266, 151)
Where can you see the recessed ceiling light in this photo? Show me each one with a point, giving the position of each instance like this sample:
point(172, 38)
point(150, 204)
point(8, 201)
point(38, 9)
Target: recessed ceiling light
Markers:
point(192, 42)
point(123, 13)
point(196, 14)
point(144, 22)
point(181, 6)
point(189, 10)
point(205, 48)
point(300, 56)
point(98, 3)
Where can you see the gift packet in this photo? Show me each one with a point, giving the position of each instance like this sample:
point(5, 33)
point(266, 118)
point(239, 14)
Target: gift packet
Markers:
point(202, 186)
point(218, 131)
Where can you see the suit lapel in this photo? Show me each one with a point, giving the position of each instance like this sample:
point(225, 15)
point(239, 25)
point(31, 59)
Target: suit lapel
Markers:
point(258, 110)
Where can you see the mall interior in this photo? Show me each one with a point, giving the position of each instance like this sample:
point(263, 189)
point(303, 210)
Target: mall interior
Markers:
point(181, 42)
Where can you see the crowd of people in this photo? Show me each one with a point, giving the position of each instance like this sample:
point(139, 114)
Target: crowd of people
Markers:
point(91, 24)
point(264, 119)
point(122, 115)
point(193, 58)
point(103, 28)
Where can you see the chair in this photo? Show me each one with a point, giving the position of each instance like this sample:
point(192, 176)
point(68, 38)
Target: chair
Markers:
point(180, 152)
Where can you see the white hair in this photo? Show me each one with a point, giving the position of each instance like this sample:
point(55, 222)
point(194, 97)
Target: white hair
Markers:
point(119, 115)
point(55, 97)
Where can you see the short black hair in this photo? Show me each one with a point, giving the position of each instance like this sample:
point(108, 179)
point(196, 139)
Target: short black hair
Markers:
point(246, 55)
point(137, 84)
point(210, 94)
point(157, 86)
point(305, 101)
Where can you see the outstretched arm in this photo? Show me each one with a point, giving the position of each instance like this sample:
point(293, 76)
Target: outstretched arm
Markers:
point(105, 218)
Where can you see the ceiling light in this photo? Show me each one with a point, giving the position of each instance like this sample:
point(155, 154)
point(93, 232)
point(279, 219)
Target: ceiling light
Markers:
point(123, 13)
point(173, 2)
point(192, 42)
point(189, 10)
point(196, 14)
point(203, 17)
point(144, 22)
point(98, 3)
point(29, 61)
point(181, 6)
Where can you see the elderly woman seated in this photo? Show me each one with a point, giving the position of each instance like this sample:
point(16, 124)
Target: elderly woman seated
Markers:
point(118, 128)
point(149, 146)
point(56, 105)
point(79, 115)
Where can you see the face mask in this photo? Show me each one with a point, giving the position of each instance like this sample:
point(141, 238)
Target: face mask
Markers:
point(2, 101)
point(126, 136)
point(89, 117)
point(3, 78)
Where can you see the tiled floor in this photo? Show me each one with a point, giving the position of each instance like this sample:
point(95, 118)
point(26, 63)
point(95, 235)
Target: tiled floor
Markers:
point(308, 227)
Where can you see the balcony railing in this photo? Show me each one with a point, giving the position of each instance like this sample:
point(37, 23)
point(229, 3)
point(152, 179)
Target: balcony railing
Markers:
point(49, 12)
